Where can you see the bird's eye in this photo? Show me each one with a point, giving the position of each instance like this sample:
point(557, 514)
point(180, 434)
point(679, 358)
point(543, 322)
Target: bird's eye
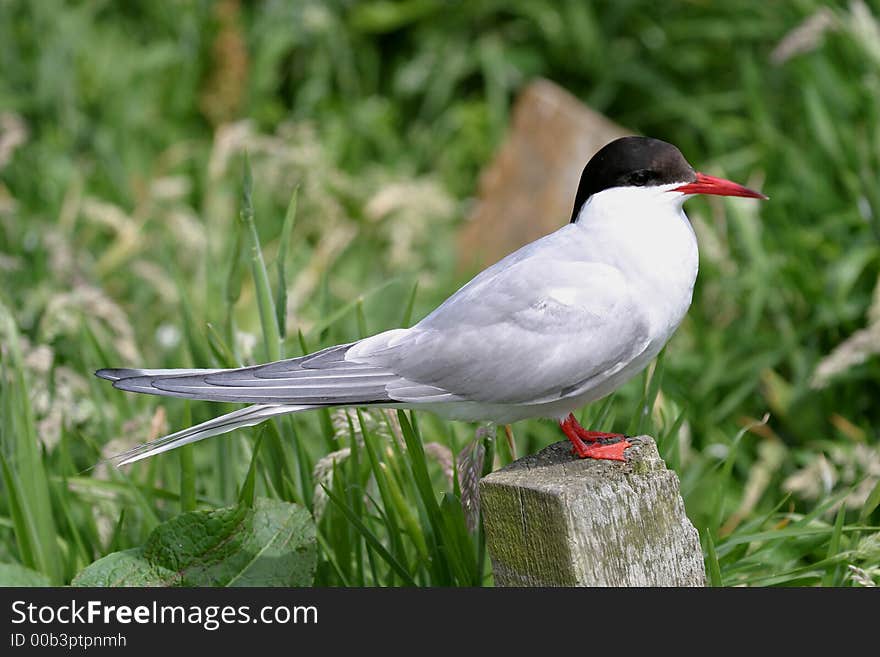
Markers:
point(641, 176)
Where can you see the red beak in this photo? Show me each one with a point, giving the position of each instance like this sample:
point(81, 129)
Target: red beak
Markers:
point(718, 186)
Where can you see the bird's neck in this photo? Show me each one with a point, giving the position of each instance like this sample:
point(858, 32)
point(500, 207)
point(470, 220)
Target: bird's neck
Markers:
point(649, 238)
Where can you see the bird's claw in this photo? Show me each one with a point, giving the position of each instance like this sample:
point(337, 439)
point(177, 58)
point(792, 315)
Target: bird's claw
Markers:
point(593, 436)
point(595, 447)
point(603, 451)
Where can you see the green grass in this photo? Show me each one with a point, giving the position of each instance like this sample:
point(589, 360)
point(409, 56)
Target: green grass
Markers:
point(124, 240)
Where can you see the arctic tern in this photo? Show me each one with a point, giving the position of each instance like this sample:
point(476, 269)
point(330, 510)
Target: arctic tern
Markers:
point(557, 324)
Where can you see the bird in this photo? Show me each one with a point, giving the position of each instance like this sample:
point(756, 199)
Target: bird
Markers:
point(561, 322)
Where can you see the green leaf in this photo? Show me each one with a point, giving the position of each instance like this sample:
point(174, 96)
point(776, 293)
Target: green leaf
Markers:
point(271, 544)
point(219, 348)
point(265, 300)
point(247, 496)
point(381, 16)
point(24, 471)
point(833, 575)
point(871, 503)
point(361, 318)
point(14, 574)
point(457, 540)
point(370, 537)
point(330, 318)
point(641, 423)
point(281, 263)
point(187, 472)
point(713, 568)
point(380, 477)
point(235, 276)
point(410, 304)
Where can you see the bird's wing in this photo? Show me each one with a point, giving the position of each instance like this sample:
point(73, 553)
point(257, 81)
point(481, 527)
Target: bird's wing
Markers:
point(116, 373)
point(534, 330)
point(322, 378)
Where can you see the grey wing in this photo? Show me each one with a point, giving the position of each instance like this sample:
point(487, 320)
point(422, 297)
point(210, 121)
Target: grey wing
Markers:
point(322, 378)
point(116, 373)
point(534, 331)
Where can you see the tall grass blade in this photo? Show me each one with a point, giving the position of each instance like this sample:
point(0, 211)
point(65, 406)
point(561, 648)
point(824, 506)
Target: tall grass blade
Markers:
point(713, 568)
point(281, 263)
point(406, 319)
point(265, 300)
point(370, 537)
point(24, 466)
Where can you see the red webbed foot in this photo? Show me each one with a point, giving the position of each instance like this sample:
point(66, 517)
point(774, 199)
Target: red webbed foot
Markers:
point(593, 436)
point(610, 452)
point(593, 449)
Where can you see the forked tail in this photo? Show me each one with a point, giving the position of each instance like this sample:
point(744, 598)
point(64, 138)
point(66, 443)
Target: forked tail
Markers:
point(243, 417)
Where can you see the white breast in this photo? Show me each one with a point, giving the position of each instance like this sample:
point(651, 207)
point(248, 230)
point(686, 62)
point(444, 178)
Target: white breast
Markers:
point(645, 233)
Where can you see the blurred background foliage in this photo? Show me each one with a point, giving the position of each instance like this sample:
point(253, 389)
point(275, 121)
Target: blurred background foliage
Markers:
point(121, 132)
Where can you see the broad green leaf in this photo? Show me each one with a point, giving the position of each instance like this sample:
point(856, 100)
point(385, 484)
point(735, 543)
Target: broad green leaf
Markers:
point(14, 574)
point(271, 544)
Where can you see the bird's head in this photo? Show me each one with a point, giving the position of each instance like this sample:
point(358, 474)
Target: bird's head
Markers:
point(648, 170)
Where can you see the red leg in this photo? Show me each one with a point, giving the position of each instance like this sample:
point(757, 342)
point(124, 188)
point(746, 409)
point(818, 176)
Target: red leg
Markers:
point(576, 434)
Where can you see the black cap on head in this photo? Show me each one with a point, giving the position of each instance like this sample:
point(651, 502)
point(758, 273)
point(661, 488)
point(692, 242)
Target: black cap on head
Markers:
point(632, 162)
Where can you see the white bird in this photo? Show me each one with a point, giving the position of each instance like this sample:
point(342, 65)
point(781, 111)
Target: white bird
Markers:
point(557, 324)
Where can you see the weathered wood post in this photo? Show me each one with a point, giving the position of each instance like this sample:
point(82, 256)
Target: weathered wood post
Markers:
point(552, 520)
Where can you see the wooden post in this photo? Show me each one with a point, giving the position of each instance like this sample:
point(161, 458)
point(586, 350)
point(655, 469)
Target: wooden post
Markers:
point(554, 520)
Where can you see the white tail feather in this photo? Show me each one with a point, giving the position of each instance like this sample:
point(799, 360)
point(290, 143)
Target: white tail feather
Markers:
point(243, 417)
